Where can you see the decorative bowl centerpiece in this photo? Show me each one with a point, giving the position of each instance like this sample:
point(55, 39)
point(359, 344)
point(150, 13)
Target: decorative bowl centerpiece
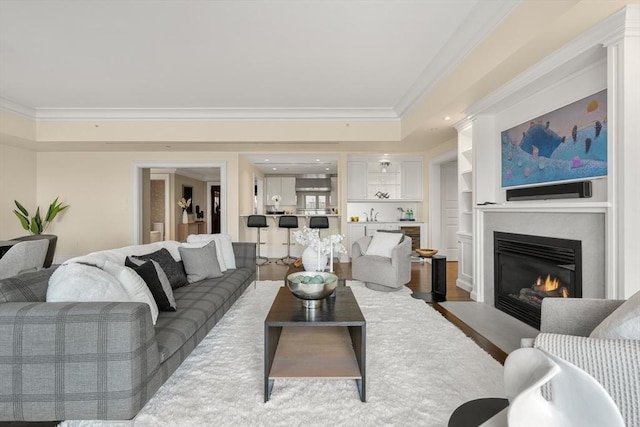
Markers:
point(426, 253)
point(312, 286)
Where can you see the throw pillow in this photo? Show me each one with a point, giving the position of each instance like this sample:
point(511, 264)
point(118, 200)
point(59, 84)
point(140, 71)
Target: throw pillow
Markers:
point(382, 244)
point(200, 263)
point(156, 280)
point(224, 245)
point(172, 268)
point(133, 285)
point(623, 323)
point(202, 244)
point(83, 282)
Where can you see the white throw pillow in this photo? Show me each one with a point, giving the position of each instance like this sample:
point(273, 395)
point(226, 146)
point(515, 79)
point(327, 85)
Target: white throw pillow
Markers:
point(224, 247)
point(623, 323)
point(134, 285)
point(383, 243)
point(82, 282)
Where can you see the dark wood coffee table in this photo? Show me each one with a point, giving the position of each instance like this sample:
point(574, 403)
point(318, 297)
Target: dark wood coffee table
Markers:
point(328, 342)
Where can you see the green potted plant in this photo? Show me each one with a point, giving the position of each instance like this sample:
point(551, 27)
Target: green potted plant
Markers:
point(37, 225)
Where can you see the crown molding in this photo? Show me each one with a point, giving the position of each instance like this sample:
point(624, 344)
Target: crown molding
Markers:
point(17, 109)
point(583, 46)
point(480, 23)
point(200, 114)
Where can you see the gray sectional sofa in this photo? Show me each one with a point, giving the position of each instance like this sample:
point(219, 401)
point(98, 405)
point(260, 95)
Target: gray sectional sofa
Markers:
point(101, 360)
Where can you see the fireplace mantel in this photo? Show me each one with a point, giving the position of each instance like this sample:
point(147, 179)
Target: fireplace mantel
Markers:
point(545, 206)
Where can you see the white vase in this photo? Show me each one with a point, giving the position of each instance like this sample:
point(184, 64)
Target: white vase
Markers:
point(185, 216)
point(312, 261)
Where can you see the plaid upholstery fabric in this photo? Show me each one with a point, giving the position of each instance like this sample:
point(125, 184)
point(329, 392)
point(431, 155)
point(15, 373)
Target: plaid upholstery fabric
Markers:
point(197, 303)
point(103, 360)
point(27, 287)
point(63, 360)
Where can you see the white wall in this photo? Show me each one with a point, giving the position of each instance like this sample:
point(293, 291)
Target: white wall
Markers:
point(17, 182)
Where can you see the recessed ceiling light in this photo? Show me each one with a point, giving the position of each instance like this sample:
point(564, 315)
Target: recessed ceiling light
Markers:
point(385, 154)
point(317, 160)
point(326, 169)
point(447, 118)
point(275, 169)
point(266, 160)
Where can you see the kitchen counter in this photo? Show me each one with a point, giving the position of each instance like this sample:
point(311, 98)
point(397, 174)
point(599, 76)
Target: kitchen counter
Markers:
point(274, 239)
point(387, 222)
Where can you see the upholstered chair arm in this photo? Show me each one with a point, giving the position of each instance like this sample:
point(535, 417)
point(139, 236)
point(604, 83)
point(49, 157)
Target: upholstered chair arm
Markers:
point(575, 316)
point(90, 360)
point(401, 253)
point(359, 247)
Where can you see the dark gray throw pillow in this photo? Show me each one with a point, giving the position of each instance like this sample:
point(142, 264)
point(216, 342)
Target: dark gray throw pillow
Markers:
point(156, 281)
point(172, 268)
point(200, 263)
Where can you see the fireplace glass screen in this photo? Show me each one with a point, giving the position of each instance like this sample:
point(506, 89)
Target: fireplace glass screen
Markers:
point(531, 268)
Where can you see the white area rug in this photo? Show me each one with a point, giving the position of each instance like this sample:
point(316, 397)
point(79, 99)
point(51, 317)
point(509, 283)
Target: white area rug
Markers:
point(419, 369)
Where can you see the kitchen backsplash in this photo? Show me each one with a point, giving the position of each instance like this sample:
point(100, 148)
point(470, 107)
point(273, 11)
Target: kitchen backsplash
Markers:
point(387, 211)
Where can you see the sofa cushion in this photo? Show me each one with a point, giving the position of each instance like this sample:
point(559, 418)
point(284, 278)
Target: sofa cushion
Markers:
point(133, 285)
point(200, 263)
point(224, 247)
point(83, 282)
point(156, 280)
point(198, 302)
point(623, 323)
point(26, 287)
point(172, 268)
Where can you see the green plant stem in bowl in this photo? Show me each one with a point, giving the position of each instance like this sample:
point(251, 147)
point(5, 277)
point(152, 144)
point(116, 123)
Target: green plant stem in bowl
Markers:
point(36, 224)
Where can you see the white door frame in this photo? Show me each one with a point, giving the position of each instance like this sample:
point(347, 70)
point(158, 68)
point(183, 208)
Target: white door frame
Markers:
point(435, 196)
point(136, 204)
point(167, 197)
point(446, 245)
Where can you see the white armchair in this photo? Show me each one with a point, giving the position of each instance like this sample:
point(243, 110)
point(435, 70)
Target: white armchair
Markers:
point(566, 324)
point(23, 257)
point(379, 272)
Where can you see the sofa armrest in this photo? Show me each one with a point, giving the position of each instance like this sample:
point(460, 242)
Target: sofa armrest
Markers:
point(245, 254)
point(90, 360)
point(613, 363)
point(575, 316)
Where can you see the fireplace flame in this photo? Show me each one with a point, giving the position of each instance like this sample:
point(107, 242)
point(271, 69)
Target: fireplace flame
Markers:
point(547, 285)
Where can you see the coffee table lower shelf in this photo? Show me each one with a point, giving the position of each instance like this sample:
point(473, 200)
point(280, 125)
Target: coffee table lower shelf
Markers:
point(312, 352)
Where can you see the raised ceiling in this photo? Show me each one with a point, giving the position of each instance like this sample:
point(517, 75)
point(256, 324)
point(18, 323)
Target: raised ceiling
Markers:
point(395, 68)
point(69, 59)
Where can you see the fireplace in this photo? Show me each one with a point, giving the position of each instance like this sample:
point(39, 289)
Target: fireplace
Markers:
point(531, 268)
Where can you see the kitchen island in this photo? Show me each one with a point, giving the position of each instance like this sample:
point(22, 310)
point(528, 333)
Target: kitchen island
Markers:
point(274, 239)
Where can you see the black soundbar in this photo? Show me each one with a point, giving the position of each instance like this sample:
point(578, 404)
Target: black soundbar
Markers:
point(570, 190)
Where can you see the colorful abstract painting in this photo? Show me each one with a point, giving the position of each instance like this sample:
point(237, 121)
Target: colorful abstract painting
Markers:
point(567, 144)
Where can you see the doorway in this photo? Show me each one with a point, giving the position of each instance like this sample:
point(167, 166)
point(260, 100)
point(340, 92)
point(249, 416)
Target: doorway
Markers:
point(141, 226)
point(449, 209)
point(216, 206)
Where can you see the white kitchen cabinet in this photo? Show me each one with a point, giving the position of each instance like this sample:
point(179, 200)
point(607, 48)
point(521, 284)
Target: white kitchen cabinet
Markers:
point(411, 180)
point(285, 186)
point(333, 197)
point(401, 180)
point(372, 228)
point(356, 180)
point(356, 231)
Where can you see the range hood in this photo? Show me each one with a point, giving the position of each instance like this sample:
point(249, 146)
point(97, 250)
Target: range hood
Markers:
point(315, 183)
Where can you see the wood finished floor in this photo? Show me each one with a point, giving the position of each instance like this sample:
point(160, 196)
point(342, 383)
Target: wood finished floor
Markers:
point(420, 282)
